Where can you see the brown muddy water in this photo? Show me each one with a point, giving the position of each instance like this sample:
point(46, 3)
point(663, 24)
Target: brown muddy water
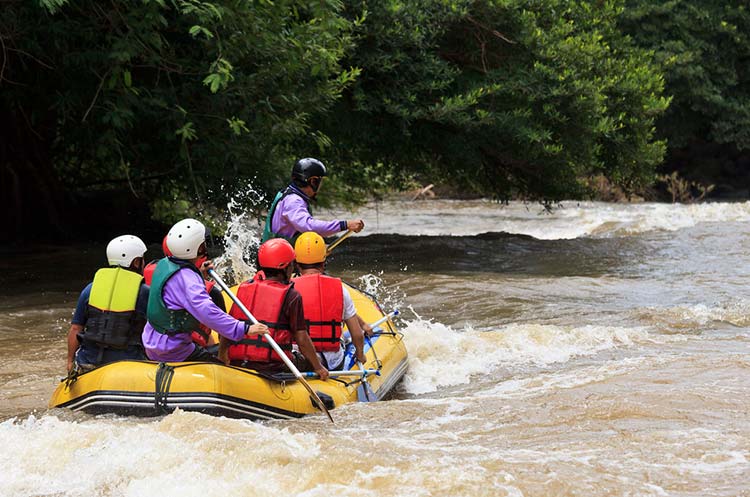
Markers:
point(598, 350)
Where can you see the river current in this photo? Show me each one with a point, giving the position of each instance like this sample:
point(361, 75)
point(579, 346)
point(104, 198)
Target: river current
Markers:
point(595, 350)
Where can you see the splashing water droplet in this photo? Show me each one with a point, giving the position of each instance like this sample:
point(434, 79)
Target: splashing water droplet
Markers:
point(242, 235)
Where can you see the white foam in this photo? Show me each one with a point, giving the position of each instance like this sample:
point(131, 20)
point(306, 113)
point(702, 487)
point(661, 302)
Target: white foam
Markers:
point(543, 383)
point(183, 454)
point(440, 356)
point(718, 461)
point(189, 454)
point(698, 316)
point(569, 220)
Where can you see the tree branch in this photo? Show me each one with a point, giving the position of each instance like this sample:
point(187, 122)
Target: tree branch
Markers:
point(495, 32)
point(96, 95)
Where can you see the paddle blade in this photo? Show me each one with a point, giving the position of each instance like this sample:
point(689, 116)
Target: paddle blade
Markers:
point(365, 393)
point(315, 398)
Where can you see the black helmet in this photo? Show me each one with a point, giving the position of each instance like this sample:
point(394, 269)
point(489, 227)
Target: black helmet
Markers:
point(308, 172)
point(307, 168)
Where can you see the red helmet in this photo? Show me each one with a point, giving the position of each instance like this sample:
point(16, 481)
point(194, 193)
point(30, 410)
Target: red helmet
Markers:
point(167, 252)
point(276, 253)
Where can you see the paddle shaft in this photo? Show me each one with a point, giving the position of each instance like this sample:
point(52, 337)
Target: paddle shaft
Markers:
point(384, 318)
point(338, 240)
point(334, 374)
point(271, 342)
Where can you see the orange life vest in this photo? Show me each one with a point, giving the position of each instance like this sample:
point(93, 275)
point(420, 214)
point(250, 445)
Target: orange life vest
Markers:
point(323, 302)
point(264, 299)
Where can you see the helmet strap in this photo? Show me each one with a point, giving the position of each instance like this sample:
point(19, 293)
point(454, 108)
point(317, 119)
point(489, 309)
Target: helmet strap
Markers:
point(314, 182)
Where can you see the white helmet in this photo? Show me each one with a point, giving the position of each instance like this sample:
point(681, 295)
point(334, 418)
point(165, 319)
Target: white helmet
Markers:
point(185, 237)
point(122, 250)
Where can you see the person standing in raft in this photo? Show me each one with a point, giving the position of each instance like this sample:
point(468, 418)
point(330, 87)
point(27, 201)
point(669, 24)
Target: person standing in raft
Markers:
point(179, 303)
point(291, 213)
point(111, 310)
point(272, 300)
point(202, 335)
point(326, 304)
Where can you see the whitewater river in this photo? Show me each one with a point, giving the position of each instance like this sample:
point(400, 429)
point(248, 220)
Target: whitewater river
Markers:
point(600, 350)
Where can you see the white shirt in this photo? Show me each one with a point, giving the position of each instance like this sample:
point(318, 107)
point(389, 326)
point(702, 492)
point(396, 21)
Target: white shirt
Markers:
point(335, 357)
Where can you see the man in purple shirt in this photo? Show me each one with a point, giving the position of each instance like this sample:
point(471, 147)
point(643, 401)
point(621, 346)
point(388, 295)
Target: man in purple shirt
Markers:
point(179, 302)
point(291, 214)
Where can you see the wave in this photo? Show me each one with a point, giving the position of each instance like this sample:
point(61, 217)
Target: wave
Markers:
point(440, 356)
point(698, 317)
point(567, 221)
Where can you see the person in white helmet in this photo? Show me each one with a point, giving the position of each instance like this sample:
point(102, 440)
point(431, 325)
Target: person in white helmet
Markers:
point(111, 311)
point(179, 303)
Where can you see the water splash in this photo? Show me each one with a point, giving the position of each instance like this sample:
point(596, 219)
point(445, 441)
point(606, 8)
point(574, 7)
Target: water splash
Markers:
point(242, 236)
point(388, 297)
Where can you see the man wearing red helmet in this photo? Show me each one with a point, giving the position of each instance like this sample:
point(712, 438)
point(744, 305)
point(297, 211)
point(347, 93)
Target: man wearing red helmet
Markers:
point(291, 213)
point(273, 301)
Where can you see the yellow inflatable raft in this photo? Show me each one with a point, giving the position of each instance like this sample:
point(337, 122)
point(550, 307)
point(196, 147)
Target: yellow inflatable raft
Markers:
point(150, 388)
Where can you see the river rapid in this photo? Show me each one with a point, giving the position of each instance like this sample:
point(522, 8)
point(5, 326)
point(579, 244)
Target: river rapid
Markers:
point(595, 350)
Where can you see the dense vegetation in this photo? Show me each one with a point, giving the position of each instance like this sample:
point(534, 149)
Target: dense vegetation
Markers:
point(703, 50)
point(507, 97)
point(113, 109)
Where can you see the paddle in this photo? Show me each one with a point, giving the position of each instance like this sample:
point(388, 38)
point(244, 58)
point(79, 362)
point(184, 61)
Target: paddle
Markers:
point(367, 394)
point(338, 240)
point(272, 343)
point(334, 374)
point(385, 318)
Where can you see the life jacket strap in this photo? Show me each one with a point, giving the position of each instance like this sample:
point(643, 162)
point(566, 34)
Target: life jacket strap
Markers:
point(259, 342)
point(335, 331)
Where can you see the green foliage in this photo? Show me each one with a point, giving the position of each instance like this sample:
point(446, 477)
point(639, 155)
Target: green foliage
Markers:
point(359, 182)
point(508, 97)
point(703, 49)
point(193, 96)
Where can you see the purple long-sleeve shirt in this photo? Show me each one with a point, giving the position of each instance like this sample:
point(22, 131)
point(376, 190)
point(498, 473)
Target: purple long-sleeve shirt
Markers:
point(291, 216)
point(187, 290)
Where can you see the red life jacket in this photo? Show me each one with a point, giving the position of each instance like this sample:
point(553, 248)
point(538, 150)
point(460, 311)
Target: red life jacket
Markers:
point(148, 271)
point(199, 336)
point(323, 302)
point(264, 299)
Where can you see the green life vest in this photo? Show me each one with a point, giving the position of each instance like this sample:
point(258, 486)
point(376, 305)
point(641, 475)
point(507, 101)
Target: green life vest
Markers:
point(267, 231)
point(168, 321)
point(112, 320)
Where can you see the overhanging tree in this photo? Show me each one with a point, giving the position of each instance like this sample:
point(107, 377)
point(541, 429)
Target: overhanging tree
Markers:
point(160, 97)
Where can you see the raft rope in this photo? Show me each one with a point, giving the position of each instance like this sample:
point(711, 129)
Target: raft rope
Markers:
point(164, 374)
